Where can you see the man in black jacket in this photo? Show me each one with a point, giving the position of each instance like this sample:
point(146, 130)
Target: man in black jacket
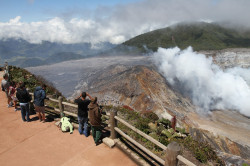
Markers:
point(83, 112)
point(24, 98)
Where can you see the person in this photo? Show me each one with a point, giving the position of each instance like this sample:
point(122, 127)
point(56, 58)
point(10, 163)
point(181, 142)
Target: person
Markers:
point(24, 98)
point(39, 96)
point(95, 120)
point(5, 87)
point(12, 94)
point(65, 125)
point(83, 112)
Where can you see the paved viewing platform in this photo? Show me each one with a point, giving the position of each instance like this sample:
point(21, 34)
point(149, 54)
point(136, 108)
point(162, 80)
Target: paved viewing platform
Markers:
point(43, 144)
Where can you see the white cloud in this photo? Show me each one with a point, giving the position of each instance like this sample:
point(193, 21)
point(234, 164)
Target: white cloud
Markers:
point(123, 22)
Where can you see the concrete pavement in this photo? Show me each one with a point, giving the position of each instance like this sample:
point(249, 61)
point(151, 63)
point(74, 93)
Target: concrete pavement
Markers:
point(43, 144)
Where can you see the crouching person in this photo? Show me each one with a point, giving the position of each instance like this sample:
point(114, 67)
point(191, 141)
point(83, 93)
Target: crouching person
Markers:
point(66, 125)
point(95, 120)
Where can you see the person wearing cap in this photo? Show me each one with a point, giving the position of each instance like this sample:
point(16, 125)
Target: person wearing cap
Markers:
point(95, 120)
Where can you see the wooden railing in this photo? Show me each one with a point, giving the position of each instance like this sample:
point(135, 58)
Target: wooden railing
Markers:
point(172, 150)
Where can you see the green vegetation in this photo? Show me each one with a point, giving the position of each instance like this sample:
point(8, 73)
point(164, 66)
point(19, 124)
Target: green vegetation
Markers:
point(201, 36)
point(160, 130)
point(19, 75)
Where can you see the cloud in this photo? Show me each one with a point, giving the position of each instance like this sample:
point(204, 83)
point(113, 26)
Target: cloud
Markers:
point(205, 83)
point(119, 23)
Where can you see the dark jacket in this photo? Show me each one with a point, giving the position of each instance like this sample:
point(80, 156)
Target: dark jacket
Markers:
point(39, 96)
point(82, 107)
point(23, 96)
point(95, 115)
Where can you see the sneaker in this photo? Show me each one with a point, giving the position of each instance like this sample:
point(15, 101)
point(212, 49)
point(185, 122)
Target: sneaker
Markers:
point(15, 110)
point(97, 143)
point(9, 106)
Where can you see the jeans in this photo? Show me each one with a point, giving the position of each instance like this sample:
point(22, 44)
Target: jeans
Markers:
point(96, 133)
point(83, 126)
point(25, 111)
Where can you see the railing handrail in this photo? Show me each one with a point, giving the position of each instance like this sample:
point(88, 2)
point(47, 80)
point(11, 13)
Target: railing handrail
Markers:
point(115, 128)
point(179, 157)
point(140, 146)
point(142, 133)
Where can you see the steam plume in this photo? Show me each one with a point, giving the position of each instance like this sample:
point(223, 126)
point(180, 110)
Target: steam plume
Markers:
point(204, 82)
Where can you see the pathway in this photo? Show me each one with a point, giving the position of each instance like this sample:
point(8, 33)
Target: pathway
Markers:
point(43, 144)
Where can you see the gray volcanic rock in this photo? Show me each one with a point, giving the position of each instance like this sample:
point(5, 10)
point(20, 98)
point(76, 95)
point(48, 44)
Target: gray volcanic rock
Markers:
point(139, 87)
point(70, 76)
point(231, 57)
point(135, 82)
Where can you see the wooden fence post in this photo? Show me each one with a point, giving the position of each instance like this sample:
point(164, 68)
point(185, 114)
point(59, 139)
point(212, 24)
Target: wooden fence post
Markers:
point(172, 151)
point(113, 124)
point(61, 106)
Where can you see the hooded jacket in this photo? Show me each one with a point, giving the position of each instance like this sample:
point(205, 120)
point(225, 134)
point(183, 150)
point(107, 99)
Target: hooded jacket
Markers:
point(39, 96)
point(94, 115)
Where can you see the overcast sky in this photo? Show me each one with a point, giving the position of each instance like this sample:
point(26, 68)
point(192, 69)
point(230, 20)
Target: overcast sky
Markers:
point(115, 21)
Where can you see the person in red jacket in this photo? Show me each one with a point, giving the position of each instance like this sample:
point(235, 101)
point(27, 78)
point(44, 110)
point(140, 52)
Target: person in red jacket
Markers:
point(12, 94)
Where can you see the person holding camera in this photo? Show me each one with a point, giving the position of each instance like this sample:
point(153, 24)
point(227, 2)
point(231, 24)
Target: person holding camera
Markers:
point(83, 103)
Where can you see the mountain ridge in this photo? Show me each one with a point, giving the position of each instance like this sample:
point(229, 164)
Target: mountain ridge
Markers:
point(199, 35)
point(12, 49)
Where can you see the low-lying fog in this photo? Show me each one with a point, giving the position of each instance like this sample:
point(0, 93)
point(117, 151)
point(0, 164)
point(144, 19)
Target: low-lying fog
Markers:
point(67, 76)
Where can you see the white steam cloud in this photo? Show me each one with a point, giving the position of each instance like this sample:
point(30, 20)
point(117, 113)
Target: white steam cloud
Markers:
point(204, 82)
point(119, 23)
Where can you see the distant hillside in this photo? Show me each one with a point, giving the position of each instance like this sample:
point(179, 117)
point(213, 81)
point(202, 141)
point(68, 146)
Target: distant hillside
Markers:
point(63, 56)
point(56, 58)
point(21, 53)
point(201, 36)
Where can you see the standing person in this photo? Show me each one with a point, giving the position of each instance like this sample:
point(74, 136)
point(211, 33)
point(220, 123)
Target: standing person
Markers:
point(5, 87)
point(12, 94)
point(83, 112)
point(24, 98)
point(39, 96)
point(95, 120)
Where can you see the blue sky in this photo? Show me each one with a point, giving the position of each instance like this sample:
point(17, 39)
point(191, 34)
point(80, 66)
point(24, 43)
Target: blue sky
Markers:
point(114, 21)
point(39, 10)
